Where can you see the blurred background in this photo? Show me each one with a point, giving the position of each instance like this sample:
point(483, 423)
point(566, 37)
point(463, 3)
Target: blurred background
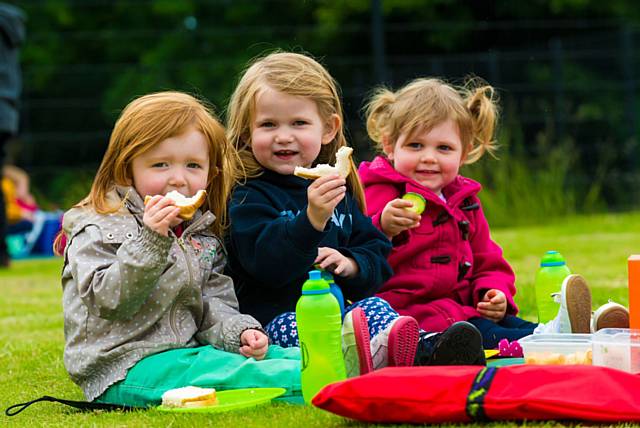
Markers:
point(566, 72)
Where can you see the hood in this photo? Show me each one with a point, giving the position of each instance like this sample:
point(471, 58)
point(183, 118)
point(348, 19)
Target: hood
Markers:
point(121, 196)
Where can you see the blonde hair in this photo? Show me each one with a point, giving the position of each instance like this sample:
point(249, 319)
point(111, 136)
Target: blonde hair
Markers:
point(293, 74)
point(424, 103)
point(149, 120)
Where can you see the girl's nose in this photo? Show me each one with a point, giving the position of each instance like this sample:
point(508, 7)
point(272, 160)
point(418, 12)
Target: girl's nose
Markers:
point(428, 156)
point(177, 178)
point(284, 137)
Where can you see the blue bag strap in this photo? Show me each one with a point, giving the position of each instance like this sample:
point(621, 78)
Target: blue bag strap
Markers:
point(478, 392)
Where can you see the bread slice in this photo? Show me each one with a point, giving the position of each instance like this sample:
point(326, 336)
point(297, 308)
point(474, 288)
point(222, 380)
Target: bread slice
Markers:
point(342, 168)
point(189, 396)
point(188, 206)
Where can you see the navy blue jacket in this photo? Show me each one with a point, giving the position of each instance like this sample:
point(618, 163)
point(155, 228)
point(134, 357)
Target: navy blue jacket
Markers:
point(272, 245)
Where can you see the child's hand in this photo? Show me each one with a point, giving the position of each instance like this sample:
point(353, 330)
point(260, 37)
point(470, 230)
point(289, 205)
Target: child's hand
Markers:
point(493, 305)
point(337, 263)
point(324, 195)
point(254, 344)
point(160, 214)
point(397, 218)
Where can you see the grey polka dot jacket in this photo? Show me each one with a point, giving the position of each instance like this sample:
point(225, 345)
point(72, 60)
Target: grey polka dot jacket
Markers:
point(129, 292)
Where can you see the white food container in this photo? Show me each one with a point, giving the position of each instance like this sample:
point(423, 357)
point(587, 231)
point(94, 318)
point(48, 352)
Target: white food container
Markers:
point(556, 348)
point(618, 348)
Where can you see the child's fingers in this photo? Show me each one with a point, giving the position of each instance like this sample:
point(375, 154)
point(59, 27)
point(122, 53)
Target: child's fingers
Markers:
point(404, 221)
point(323, 252)
point(331, 194)
point(246, 351)
point(250, 352)
point(154, 201)
point(259, 353)
point(485, 305)
point(341, 267)
point(160, 210)
point(405, 214)
point(167, 214)
point(401, 203)
point(336, 200)
point(325, 184)
point(488, 314)
point(319, 182)
point(158, 202)
point(260, 341)
point(331, 259)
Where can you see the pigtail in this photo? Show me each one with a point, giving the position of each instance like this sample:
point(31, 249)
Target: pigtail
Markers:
point(482, 103)
point(378, 111)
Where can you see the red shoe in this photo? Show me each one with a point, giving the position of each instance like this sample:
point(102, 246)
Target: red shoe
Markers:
point(403, 341)
point(356, 347)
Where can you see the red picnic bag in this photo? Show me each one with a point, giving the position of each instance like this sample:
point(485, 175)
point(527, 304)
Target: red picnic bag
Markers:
point(454, 394)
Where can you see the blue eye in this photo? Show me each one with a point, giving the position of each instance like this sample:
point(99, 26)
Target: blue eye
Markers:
point(193, 165)
point(445, 148)
point(300, 123)
point(266, 125)
point(159, 165)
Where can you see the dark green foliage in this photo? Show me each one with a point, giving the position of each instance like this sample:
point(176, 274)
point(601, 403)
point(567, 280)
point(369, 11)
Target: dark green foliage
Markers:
point(564, 70)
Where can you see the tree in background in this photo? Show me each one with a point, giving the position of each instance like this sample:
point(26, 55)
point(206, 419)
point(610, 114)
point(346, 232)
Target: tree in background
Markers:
point(564, 69)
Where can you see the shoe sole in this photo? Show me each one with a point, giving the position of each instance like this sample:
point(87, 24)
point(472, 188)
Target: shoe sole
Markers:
point(459, 345)
point(614, 317)
point(363, 343)
point(578, 303)
point(403, 342)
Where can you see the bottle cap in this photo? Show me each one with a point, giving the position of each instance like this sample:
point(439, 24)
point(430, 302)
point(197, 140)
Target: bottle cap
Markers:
point(552, 258)
point(315, 284)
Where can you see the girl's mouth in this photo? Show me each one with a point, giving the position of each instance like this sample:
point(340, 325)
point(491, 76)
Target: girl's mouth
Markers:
point(285, 154)
point(427, 172)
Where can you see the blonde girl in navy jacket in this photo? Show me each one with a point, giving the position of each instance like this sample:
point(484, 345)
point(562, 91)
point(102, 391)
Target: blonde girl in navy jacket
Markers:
point(286, 112)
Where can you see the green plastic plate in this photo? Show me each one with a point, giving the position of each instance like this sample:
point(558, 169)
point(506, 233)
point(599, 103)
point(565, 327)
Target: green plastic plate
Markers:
point(233, 399)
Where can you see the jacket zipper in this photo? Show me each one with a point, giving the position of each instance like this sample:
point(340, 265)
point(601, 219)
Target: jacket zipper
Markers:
point(174, 307)
point(181, 244)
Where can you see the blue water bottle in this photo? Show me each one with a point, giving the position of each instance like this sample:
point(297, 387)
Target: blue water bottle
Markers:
point(334, 288)
point(319, 325)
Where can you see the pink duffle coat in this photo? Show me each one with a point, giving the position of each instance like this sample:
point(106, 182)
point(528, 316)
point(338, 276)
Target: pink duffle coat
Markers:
point(443, 267)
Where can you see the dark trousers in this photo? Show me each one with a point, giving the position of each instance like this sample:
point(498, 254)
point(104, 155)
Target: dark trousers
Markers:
point(4, 255)
point(510, 328)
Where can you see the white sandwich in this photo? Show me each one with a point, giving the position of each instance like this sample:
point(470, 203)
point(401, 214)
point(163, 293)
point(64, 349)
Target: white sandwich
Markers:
point(189, 396)
point(188, 206)
point(342, 167)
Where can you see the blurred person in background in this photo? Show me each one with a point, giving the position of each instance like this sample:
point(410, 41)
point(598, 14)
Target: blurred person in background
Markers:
point(12, 33)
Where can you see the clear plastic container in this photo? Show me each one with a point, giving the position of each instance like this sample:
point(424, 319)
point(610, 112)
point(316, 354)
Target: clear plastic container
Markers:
point(557, 349)
point(618, 348)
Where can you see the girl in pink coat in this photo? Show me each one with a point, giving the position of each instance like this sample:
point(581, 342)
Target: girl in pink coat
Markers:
point(446, 266)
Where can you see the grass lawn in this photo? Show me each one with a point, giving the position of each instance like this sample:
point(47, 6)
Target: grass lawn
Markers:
point(31, 331)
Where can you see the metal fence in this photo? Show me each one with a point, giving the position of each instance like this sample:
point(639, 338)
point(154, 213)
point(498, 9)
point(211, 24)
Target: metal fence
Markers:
point(579, 83)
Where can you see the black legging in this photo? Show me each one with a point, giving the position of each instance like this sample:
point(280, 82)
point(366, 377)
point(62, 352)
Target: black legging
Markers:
point(510, 328)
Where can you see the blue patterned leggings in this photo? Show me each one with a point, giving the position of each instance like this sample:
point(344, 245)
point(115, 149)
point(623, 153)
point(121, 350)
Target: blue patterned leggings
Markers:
point(282, 329)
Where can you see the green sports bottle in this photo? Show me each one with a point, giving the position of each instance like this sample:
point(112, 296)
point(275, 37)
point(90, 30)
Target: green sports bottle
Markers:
point(319, 325)
point(553, 270)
